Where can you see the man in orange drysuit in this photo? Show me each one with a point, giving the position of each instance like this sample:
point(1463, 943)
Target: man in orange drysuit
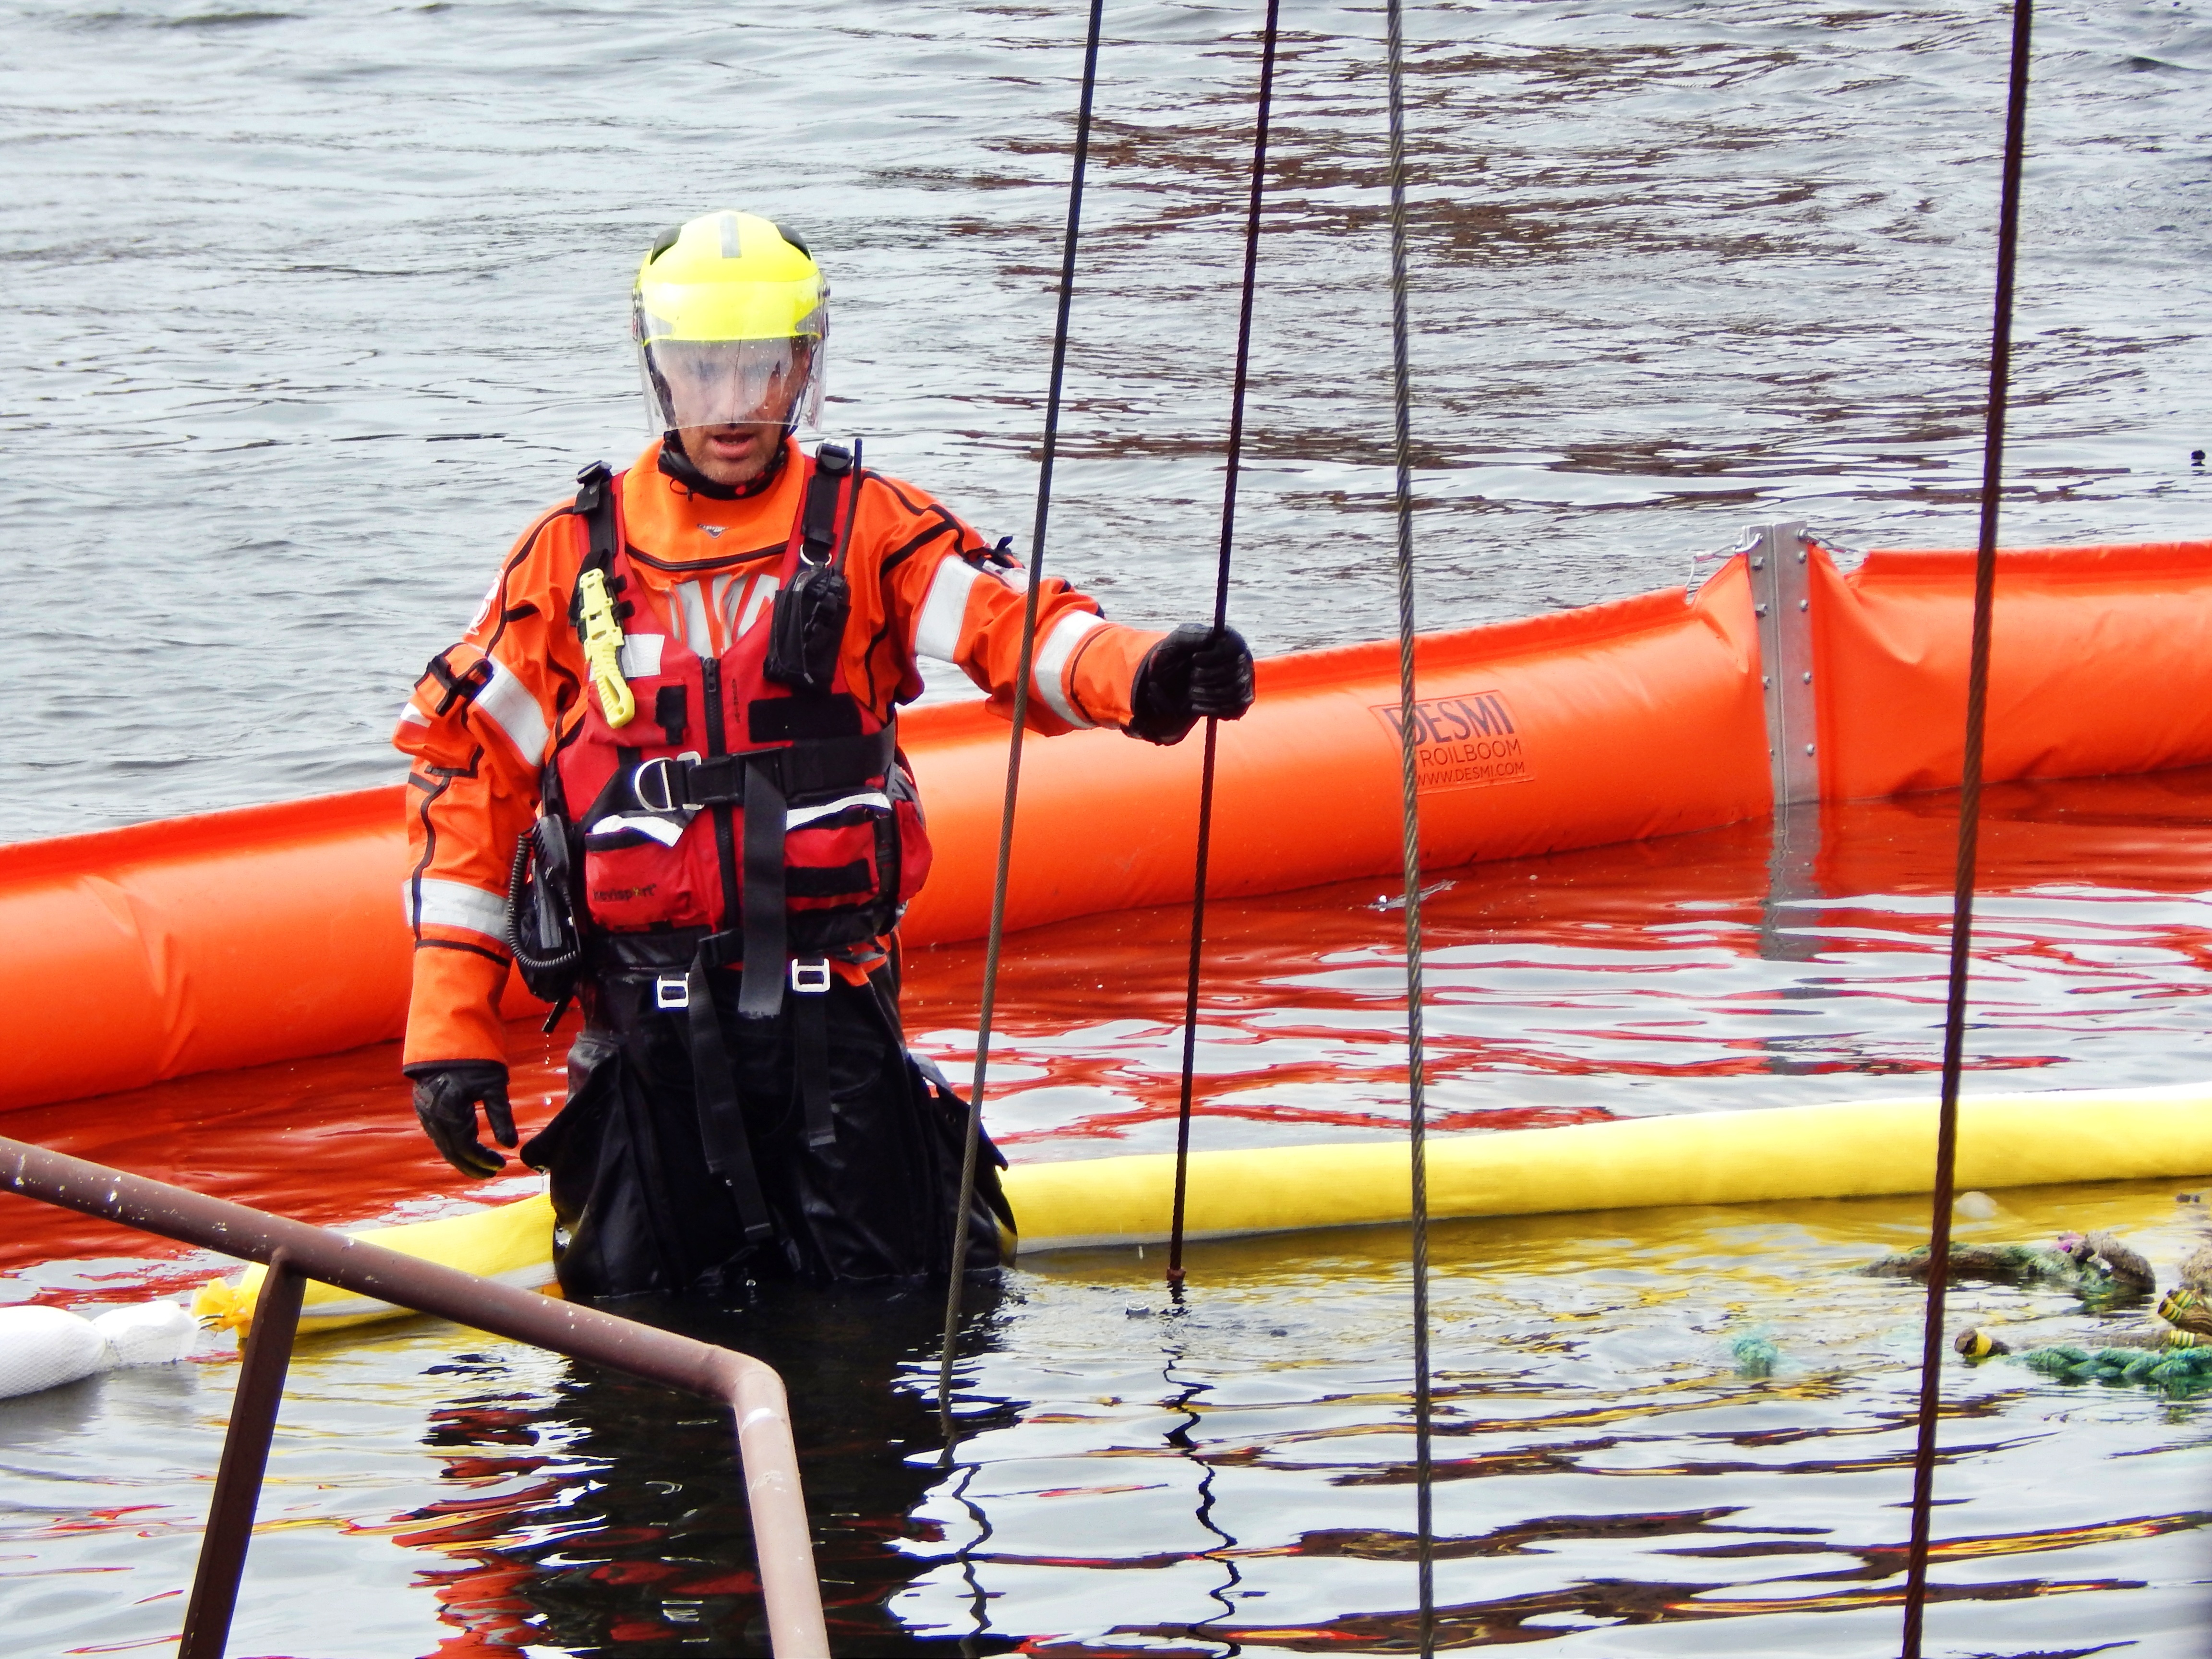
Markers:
point(660, 773)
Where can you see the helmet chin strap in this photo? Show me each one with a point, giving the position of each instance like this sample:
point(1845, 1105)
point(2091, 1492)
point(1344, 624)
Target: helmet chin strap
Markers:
point(680, 466)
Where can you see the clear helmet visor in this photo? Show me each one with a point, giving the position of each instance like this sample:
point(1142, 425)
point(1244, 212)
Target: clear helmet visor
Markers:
point(775, 383)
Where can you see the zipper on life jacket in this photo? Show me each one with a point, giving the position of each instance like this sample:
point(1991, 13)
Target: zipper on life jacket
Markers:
point(725, 844)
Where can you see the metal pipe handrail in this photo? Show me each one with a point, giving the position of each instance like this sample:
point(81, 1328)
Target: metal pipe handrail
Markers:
point(782, 1542)
point(263, 1357)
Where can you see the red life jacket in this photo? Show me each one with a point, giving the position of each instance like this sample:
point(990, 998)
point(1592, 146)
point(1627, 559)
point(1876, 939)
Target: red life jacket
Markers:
point(780, 818)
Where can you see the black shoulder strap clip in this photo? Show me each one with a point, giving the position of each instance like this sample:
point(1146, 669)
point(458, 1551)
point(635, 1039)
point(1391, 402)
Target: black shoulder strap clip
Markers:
point(817, 524)
point(595, 506)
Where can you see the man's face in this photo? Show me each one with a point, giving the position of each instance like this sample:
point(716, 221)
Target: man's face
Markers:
point(732, 403)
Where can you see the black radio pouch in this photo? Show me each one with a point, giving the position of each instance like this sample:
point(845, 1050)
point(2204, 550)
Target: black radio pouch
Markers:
point(807, 626)
point(541, 914)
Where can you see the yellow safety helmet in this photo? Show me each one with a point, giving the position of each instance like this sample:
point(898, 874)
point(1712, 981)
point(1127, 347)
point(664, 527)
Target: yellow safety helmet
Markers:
point(730, 318)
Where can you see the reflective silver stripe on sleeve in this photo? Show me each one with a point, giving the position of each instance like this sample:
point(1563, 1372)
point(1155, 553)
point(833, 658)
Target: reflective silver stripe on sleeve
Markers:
point(410, 715)
point(1052, 660)
point(937, 629)
point(430, 902)
point(507, 704)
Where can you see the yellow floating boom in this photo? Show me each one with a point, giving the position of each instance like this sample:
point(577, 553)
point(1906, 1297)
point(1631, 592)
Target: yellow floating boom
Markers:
point(1845, 1149)
point(511, 1242)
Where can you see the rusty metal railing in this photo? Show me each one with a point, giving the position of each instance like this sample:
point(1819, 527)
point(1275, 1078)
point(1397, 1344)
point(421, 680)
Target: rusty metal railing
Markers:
point(295, 1252)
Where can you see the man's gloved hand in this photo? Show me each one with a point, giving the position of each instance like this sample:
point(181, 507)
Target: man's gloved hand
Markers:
point(446, 1095)
point(1191, 673)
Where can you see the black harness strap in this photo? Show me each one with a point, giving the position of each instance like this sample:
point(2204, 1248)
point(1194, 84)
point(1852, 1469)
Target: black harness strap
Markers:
point(766, 966)
point(825, 766)
point(595, 505)
point(831, 764)
point(826, 755)
point(807, 625)
point(810, 1029)
point(818, 524)
point(714, 1086)
point(760, 996)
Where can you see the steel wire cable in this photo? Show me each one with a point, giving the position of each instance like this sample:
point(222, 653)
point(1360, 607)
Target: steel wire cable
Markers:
point(1401, 401)
point(1020, 714)
point(1970, 807)
point(1220, 622)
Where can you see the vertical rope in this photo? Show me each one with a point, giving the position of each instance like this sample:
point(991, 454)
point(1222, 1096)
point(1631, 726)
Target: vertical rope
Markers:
point(1402, 399)
point(1020, 716)
point(1221, 622)
point(1970, 808)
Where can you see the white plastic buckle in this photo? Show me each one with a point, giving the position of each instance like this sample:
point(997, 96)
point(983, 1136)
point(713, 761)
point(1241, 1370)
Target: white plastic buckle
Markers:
point(672, 991)
point(811, 977)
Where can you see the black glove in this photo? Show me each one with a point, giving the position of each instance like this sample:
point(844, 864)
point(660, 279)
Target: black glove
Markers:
point(446, 1095)
point(1192, 672)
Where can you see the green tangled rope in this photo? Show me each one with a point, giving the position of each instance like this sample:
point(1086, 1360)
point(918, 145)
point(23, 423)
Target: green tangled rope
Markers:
point(2180, 1370)
point(1755, 1355)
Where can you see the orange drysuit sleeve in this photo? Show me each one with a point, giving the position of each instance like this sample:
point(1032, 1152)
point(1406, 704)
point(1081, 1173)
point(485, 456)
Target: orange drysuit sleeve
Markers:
point(944, 593)
point(478, 727)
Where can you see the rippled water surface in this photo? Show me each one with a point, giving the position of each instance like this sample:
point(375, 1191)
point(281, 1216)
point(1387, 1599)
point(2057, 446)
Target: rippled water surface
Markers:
point(310, 306)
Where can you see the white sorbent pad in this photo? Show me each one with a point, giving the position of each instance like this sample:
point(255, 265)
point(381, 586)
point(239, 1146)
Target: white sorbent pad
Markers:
point(45, 1347)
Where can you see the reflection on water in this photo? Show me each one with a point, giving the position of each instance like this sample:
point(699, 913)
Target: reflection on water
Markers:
point(1682, 974)
point(600, 1515)
point(1230, 1473)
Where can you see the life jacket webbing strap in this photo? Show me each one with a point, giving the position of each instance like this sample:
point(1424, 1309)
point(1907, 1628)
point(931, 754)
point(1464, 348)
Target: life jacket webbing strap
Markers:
point(817, 523)
point(760, 994)
point(595, 505)
point(810, 1062)
point(818, 766)
point(714, 1086)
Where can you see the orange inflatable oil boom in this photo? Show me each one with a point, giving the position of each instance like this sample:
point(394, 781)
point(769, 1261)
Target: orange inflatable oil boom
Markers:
point(274, 933)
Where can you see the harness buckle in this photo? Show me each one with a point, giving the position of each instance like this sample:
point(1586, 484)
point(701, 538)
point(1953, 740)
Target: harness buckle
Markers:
point(658, 777)
point(811, 976)
point(672, 993)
